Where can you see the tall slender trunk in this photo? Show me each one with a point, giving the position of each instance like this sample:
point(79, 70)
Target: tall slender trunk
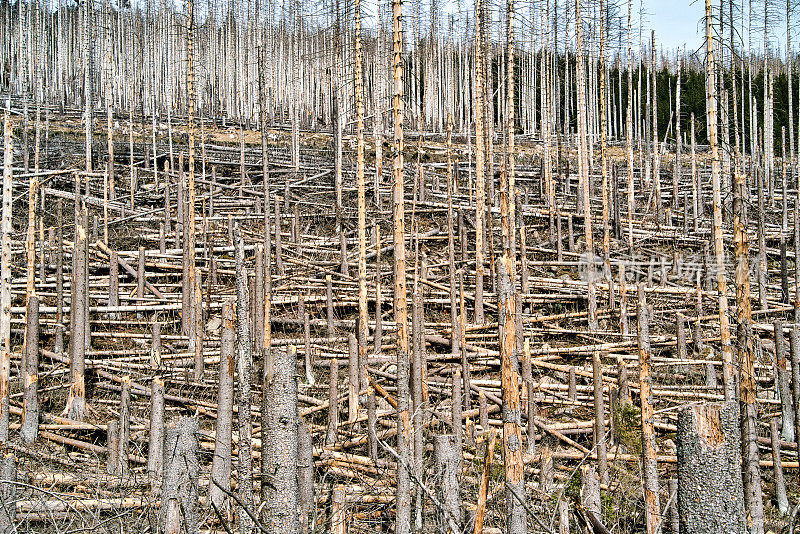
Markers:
point(5, 281)
point(362, 203)
point(512, 433)
point(650, 465)
point(719, 251)
point(403, 492)
point(480, 163)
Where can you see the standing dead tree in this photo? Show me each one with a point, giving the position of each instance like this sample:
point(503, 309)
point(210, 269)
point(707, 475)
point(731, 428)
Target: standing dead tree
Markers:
point(282, 506)
point(710, 496)
point(5, 280)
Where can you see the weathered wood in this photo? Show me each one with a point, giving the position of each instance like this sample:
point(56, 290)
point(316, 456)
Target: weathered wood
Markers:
point(282, 507)
point(710, 495)
point(30, 372)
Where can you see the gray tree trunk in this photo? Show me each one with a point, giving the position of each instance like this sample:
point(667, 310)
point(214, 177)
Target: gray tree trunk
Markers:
point(280, 446)
point(181, 468)
point(447, 461)
point(156, 445)
point(221, 464)
point(305, 476)
point(30, 369)
point(710, 491)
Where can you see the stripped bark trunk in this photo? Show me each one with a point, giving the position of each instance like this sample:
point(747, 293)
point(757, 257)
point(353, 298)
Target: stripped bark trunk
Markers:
point(76, 402)
point(403, 490)
point(155, 449)
point(650, 466)
point(179, 491)
point(447, 461)
point(512, 415)
point(783, 377)
point(305, 478)
point(777, 467)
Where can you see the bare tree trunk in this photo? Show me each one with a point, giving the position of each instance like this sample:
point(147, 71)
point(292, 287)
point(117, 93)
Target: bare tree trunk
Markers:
point(583, 168)
point(155, 449)
point(30, 370)
point(403, 491)
point(5, 281)
point(280, 445)
point(243, 366)
point(333, 401)
point(363, 318)
point(783, 377)
point(480, 170)
point(221, 464)
point(719, 250)
point(650, 469)
point(305, 479)
point(447, 461)
point(599, 417)
point(8, 491)
point(777, 467)
point(512, 415)
point(483, 489)
point(76, 402)
point(181, 471)
point(746, 361)
point(710, 497)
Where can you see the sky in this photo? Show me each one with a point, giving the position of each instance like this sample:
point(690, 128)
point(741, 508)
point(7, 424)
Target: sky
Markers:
point(679, 22)
point(676, 22)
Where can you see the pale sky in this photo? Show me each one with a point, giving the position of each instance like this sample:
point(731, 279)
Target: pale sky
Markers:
point(679, 22)
point(676, 22)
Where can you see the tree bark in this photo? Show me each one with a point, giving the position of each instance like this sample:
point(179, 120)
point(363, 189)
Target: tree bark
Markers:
point(281, 511)
point(221, 464)
point(710, 497)
point(181, 471)
point(512, 415)
point(30, 370)
point(447, 461)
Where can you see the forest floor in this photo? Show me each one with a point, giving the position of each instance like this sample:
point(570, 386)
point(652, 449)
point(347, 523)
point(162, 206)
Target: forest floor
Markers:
point(63, 478)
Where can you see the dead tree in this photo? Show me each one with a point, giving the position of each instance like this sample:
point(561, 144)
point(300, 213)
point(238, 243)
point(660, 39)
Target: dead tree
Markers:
point(221, 464)
point(512, 414)
point(5, 282)
point(305, 477)
point(719, 250)
point(447, 461)
point(710, 495)
point(243, 366)
point(179, 490)
point(76, 402)
point(650, 469)
point(745, 354)
point(281, 509)
point(155, 449)
point(8, 492)
point(30, 369)
point(403, 492)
